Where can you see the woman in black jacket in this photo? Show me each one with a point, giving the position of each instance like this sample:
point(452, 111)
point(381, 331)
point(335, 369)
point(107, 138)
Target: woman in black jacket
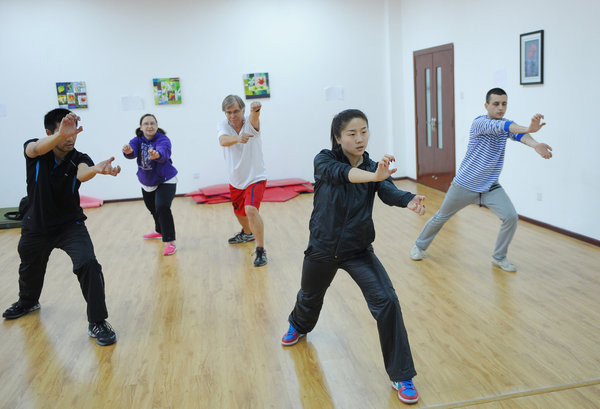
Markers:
point(341, 233)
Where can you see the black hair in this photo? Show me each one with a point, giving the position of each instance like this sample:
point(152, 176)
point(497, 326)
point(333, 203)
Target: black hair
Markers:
point(53, 118)
point(139, 132)
point(341, 120)
point(493, 91)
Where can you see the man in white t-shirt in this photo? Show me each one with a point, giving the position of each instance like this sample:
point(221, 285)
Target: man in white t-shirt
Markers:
point(242, 146)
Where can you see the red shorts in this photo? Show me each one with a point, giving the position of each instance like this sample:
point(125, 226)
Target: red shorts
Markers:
point(251, 196)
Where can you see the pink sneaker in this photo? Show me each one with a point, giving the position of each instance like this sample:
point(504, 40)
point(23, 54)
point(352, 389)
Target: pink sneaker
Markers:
point(169, 249)
point(153, 235)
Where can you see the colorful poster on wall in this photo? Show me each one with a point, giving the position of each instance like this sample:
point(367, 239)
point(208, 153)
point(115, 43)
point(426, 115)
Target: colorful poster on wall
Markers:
point(72, 95)
point(257, 85)
point(167, 91)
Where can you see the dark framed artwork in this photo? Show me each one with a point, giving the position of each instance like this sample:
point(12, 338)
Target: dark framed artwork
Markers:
point(532, 58)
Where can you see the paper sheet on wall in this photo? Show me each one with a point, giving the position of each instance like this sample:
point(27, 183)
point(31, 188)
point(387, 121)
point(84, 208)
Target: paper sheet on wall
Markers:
point(132, 103)
point(334, 93)
point(2, 110)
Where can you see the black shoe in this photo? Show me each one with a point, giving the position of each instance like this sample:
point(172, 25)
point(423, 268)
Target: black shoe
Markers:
point(241, 237)
point(17, 310)
point(103, 333)
point(261, 257)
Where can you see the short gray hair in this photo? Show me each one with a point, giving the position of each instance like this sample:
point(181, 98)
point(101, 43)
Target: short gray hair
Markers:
point(232, 99)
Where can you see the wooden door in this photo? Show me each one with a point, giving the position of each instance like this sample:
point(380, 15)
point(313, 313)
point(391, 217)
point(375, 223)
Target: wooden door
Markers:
point(434, 116)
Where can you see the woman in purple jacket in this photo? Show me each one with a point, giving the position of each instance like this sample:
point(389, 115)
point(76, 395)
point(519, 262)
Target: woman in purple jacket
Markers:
point(158, 177)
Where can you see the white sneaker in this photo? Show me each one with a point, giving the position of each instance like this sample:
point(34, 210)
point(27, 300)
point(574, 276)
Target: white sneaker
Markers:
point(504, 264)
point(416, 253)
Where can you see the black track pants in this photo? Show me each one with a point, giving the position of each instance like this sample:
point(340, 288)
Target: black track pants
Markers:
point(34, 250)
point(158, 203)
point(381, 298)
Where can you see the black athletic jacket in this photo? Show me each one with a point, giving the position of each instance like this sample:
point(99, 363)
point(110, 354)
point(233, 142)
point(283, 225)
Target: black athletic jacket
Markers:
point(341, 224)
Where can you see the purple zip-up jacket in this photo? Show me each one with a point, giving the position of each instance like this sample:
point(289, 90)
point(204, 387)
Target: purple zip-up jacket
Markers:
point(157, 171)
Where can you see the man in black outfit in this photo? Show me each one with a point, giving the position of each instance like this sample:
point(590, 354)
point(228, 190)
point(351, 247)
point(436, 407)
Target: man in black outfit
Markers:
point(54, 219)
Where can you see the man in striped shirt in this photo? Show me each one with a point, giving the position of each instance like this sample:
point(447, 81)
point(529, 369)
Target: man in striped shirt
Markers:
point(477, 177)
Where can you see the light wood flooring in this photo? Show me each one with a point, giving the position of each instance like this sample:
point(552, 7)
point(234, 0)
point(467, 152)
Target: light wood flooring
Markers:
point(202, 328)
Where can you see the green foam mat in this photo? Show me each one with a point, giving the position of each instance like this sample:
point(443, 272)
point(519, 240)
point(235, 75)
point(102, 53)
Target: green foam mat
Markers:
point(7, 223)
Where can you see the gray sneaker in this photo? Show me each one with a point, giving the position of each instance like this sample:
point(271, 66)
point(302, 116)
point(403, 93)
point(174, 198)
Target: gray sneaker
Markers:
point(504, 264)
point(241, 237)
point(416, 253)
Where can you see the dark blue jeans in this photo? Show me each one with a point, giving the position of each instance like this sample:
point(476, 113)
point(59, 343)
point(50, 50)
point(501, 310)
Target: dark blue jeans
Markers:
point(158, 203)
point(74, 239)
point(371, 277)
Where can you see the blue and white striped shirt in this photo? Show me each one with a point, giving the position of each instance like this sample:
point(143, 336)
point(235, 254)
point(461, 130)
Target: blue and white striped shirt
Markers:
point(483, 162)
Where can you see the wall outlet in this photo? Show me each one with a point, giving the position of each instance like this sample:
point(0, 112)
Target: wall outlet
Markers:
point(539, 197)
point(196, 176)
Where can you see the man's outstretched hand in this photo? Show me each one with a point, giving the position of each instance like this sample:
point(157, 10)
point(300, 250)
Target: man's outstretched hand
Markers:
point(536, 123)
point(105, 167)
point(545, 151)
point(68, 127)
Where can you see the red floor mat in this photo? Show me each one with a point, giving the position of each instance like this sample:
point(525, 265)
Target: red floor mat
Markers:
point(301, 188)
point(279, 190)
point(218, 199)
point(198, 198)
point(278, 194)
point(286, 182)
point(214, 190)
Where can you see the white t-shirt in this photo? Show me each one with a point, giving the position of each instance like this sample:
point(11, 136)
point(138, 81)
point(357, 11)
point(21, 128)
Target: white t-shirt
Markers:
point(173, 181)
point(245, 162)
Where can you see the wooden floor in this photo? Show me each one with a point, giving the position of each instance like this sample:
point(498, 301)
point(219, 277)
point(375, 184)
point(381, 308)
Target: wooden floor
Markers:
point(202, 328)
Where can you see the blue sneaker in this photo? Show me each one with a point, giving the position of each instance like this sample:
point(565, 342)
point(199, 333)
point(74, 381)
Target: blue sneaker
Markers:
point(291, 336)
point(407, 392)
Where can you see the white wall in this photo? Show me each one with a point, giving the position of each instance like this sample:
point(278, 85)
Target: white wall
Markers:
point(486, 49)
point(118, 47)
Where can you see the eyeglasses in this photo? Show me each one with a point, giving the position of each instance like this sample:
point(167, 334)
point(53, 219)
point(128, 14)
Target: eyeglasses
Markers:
point(229, 113)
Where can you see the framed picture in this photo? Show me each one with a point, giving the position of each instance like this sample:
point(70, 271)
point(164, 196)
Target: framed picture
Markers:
point(532, 58)
point(256, 85)
point(167, 91)
point(71, 94)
